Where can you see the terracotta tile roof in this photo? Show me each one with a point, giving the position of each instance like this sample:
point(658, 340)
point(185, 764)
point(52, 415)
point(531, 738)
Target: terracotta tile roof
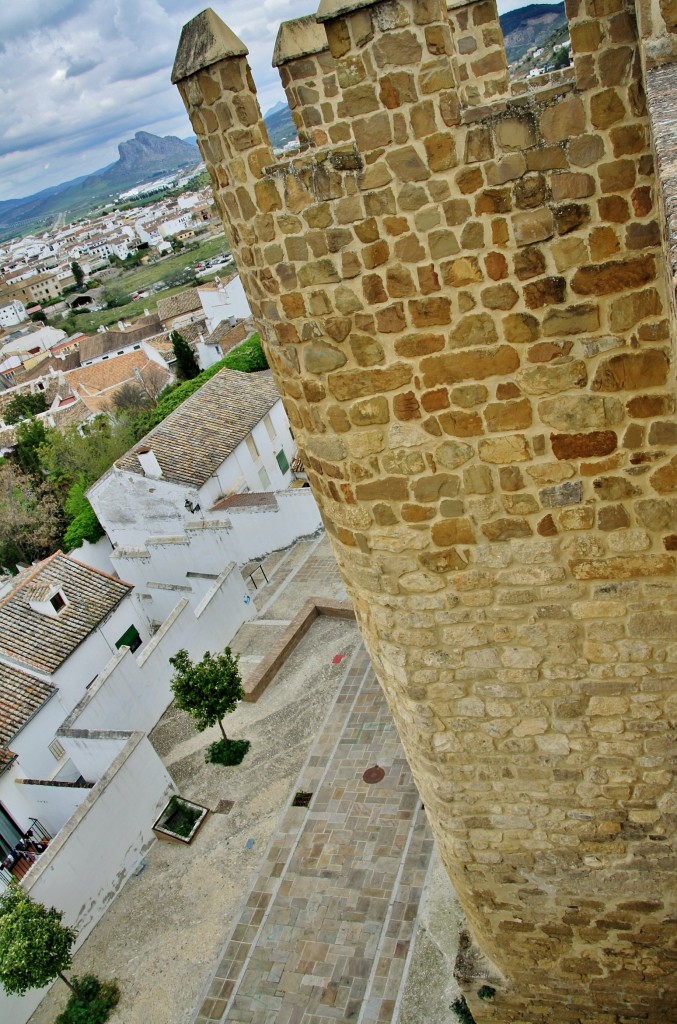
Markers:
point(193, 441)
point(94, 345)
point(176, 305)
point(6, 758)
point(49, 366)
point(21, 695)
point(97, 382)
point(192, 331)
point(43, 642)
point(227, 337)
point(250, 499)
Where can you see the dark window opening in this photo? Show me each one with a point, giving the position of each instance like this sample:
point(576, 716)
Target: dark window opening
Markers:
point(58, 601)
point(130, 638)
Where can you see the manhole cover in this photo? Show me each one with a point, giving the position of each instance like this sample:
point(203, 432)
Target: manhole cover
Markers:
point(302, 799)
point(374, 774)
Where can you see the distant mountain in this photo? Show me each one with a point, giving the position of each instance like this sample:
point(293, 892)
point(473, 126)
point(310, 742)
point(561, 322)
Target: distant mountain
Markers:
point(281, 128)
point(141, 159)
point(147, 155)
point(529, 26)
point(280, 105)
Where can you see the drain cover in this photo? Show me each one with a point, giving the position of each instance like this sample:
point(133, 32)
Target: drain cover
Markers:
point(373, 774)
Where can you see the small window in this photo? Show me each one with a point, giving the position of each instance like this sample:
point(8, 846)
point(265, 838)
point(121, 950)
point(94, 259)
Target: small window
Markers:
point(282, 461)
point(264, 478)
point(269, 427)
point(56, 750)
point(58, 601)
point(130, 638)
point(251, 446)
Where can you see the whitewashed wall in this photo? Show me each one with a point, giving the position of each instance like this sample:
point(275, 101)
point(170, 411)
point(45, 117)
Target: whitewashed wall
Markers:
point(155, 506)
point(96, 555)
point(208, 545)
point(133, 691)
point(121, 808)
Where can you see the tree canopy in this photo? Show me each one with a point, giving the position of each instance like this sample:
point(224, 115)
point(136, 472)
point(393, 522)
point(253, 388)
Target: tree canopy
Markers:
point(35, 946)
point(208, 689)
point(24, 405)
point(185, 357)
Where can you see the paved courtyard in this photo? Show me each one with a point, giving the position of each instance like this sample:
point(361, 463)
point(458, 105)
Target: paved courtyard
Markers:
point(326, 931)
point(320, 909)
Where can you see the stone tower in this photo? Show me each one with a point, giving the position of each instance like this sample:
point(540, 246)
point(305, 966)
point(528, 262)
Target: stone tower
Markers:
point(465, 298)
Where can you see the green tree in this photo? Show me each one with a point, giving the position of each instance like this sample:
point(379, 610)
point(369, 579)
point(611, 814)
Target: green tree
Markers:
point(31, 521)
point(31, 434)
point(207, 689)
point(185, 357)
point(35, 947)
point(82, 455)
point(78, 274)
point(24, 405)
point(83, 524)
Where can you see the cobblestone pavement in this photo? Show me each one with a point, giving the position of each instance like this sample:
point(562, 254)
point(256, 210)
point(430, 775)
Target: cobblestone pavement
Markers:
point(326, 931)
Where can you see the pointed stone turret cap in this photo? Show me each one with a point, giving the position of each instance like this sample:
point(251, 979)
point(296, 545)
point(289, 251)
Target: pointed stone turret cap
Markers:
point(329, 9)
point(299, 38)
point(204, 41)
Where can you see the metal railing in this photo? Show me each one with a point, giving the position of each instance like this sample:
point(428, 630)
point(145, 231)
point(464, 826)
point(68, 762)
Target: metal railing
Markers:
point(25, 852)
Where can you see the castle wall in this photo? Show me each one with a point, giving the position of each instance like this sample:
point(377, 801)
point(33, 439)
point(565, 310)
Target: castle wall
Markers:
point(463, 296)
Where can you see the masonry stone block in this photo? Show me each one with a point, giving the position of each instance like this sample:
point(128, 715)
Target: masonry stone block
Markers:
point(461, 289)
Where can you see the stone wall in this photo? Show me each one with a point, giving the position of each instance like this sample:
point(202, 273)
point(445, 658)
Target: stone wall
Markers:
point(463, 295)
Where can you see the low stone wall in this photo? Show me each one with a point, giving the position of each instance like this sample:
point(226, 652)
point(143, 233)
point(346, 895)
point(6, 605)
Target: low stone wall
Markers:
point(279, 651)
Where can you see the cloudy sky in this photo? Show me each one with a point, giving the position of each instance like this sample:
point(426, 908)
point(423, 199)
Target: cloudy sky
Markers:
point(79, 76)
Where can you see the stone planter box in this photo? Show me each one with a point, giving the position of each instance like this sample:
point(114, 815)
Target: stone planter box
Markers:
point(180, 820)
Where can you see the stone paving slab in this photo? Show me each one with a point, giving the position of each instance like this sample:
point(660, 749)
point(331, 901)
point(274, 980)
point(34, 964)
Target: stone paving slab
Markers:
point(325, 933)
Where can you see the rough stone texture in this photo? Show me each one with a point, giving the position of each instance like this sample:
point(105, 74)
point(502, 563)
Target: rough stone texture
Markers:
point(500, 502)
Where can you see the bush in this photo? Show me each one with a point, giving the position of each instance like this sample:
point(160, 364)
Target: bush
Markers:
point(227, 752)
point(461, 1009)
point(248, 357)
point(83, 523)
point(93, 1004)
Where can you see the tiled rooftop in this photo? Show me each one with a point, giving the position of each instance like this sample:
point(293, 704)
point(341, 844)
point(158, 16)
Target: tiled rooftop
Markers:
point(42, 641)
point(193, 441)
point(95, 345)
point(251, 499)
point(21, 695)
point(90, 381)
point(176, 305)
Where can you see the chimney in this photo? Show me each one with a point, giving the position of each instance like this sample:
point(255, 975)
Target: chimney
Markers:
point(149, 463)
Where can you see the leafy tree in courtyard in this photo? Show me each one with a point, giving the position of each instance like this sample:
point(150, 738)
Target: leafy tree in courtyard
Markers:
point(35, 947)
point(208, 690)
point(24, 405)
point(185, 357)
point(78, 274)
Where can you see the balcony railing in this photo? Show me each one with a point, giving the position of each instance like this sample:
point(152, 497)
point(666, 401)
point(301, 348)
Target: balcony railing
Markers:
point(24, 854)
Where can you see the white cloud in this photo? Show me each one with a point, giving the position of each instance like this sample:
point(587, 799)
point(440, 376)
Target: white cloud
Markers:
point(78, 78)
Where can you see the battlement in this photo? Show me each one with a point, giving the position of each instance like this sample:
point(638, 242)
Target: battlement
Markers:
point(463, 292)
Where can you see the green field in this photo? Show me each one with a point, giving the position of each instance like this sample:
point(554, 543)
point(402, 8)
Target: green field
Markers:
point(136, 280)
point(141, 277)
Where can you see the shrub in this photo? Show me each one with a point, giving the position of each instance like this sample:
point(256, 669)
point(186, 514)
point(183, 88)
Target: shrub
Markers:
point(93, 1004)
point(227, 752)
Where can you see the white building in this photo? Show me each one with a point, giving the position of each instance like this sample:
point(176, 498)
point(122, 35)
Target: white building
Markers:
point(230, 437)
point(12, 313)
point(60, 622)
point(224, 302)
